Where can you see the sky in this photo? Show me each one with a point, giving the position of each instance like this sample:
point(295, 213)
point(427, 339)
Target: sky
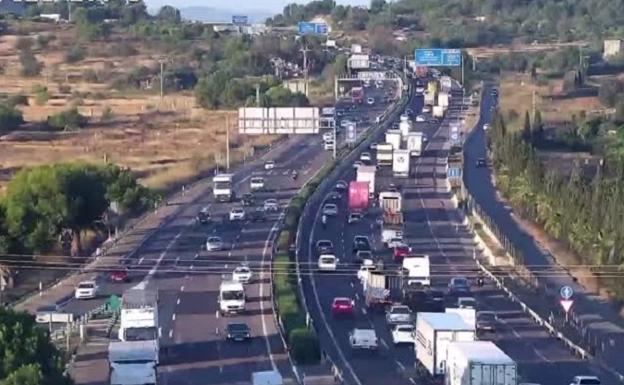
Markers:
point(273, 6)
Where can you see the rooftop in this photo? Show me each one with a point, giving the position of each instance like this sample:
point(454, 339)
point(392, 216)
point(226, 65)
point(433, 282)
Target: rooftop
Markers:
point(444, 321)
point(485, 351)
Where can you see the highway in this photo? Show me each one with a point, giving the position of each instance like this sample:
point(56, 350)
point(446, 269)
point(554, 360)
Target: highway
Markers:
point(188, 278)
point(433, 226)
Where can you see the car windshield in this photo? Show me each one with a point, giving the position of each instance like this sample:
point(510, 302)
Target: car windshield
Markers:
point(214, 240)
point(324, 244)
point(460, 282)
point(330, 206)
point(486, 317)
point(237, 211)
point(86, 286)
point(242, 270)
point(328, 260)
point(232, 295)
point(140, 334)
point(342, 302)
point(592, 381)
point(242, 328)
point(405, 328)
point(400, 310)
point(467, 302)
point(365, 254)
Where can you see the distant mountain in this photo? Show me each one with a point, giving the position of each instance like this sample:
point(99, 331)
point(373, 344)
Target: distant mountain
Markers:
point(222, 15)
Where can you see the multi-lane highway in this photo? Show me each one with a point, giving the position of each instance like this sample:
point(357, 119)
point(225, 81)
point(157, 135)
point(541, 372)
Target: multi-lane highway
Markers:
point(433, 226)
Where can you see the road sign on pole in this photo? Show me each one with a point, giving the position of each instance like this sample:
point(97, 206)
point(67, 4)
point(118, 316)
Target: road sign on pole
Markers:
point(566, 292)
point(566, 304)
point(436, 57)
point(307, 28)
point(240, 20)
point(351, 134)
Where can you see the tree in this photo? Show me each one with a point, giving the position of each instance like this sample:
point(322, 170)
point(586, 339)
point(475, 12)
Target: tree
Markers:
point(169, 14)
point(24, 43)
point(67, 120)
point(377, 6)
point(340, 65)
point(282, 97)
point(75, 54)
point(30, 65)
point(25, 375)
point(209, 89)
point(538, 127)
point(609, 91)
point(526, 130)
point(10, 118)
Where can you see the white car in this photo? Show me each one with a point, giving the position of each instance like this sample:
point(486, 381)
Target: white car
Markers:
point(396, 242)
point(237, 214)
point(585, 380)
point(403, 334)
point(327, 262)
point(345, 123)
point(271, 205)
point(420, 89)
point(214, 244)
point(328, 145)
point(363, 339)
point(357, 164)
point(242, 274)
point(330, 209)
point(420, 118)
point(256, 183)
point(365, 157)
point(466, 303)
point(486, 127)
point(370, 101)
point(426, 108)
point(355, 217)
point(398, 314)
point(270, 165)
point(86, 290)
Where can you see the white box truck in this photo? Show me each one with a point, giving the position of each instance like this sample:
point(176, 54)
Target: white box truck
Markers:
point(444, 99)
point(401, 163)
point(384, 154)
point(429, 98)
point(394, 138)
point(222, 188)
point(133, 363)
point(138, 318)
point(405, 126)
point(434, 332)
point(418, 269)
point(414, 143)
point(446, 83)
point(478, 363)
point(367, 174)
point(437, 111)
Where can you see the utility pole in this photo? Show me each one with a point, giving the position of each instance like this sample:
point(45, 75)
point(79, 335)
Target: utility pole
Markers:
point(462, 69)
point(534, 103)
point(227, 143)
point(257, 95)
point(162, 66)
point(405, 66)
point(305, 51)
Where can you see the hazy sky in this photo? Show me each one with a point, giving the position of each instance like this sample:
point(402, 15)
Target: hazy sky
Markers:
point(268, 5)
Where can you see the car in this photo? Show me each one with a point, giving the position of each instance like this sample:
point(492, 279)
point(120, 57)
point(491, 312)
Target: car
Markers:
point(396, 242)
point(324, 246)
point(334, 196)
point(86, 290)
point(256, 183)
point(367, 266)
point(242, 274)
point(328, 145)
point(341, 185)
point(363, 255)
point(45, 314)
point(214, 244)
point(459, 286)
point(585, 380)
point(269, 165)
point(370, 101)
point(248, 199)
point(329, 135)
point(271, 205)
point(481, 163)
point(398, 314)
point(486, 127)
point(258, 215)
point(486, 321)
point(238, 332)
point(330, 209)
point(119, 275)
point(346, 122)
point(373, 146)
point(434, 301)
point(420, 118)
point(363, 339)
point(237, 214)
point(426, 108)
point(203, 216)
point(327, 262)
point(400, 252)
point(361, 243)
point(403, 334)
point(466, 303)
point(342, 306)
point(366, 157)
point(355, 217)
point(357, 164)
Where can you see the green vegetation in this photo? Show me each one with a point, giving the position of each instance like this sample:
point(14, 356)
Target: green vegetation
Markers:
point(42, 202)
point(27, 355)
point(10, 118)
point(581, 209)
point(67, 120)
point(75, 54)
point(30, 65)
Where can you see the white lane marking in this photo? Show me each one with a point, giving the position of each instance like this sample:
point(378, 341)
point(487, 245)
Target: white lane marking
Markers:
point(261, 294)
point(178, 301)
point(141, 260)
point(159, 332)
point(401, 365)
point(412, 381)
point(143, 284)
point(182, 288)
point(173, 317)
point(171, 333)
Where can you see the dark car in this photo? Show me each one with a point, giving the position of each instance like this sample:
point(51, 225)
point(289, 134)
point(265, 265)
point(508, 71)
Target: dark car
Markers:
point(486, 321)
point(238, 332)
point(459, 286)
point(361, 243)
point(435, 301)
point(258, 215)
point(248, 199)
point(203, 217)
point(481, 163)
point(119, 275)
point(324, 246)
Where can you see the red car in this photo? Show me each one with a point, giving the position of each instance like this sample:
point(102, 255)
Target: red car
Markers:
point(342, 306)
point(400, 252)
point(119, 276)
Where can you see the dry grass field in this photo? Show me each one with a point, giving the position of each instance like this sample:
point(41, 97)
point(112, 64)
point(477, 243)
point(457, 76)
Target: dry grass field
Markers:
point(166, 142)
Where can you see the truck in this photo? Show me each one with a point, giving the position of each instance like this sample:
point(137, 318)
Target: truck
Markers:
point(358, 196)
point(366, 174)
point(434, 332)
point(444, 99)
point(468, 315)
point(133, 363)
point(357, 95)
point(384, 154)
point(418, 269)
point(432, 87)
point(231, 298)
point(268, 377)
point(479, 363)
point(392, 224)
point(405, 126)
point(401, 163)
point(381, 288)
point(356, 48)
point(394, 138)
point(138, 317)
point(429, 97)
point(437, 112)
point(414, 142)
point(446, 84)
point(222, 188)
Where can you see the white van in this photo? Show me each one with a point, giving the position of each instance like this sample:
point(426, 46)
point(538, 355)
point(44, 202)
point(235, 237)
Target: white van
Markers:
point(256, 183)
point(231, 298)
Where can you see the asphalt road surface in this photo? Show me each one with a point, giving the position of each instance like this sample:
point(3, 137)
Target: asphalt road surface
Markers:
point(433, 226)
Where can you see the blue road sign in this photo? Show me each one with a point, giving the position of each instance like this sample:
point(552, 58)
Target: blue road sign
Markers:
point(351, 133)
point(566, 292)
point(453, 172)
point(436, 57)
point(240, 20)
point(307, 28)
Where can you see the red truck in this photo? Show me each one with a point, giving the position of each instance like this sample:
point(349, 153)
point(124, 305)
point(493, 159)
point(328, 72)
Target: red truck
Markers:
point(357, 95)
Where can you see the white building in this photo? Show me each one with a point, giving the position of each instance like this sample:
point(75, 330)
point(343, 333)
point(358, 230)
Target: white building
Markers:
point(612, 47)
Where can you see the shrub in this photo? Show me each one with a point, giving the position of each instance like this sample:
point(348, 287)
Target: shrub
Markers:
point(24, 43)
point(41, 94)
point(107, 114)
point(17, 100)
point(69, 119)
point(75, 54)
point(30, 65)
point(305, 346)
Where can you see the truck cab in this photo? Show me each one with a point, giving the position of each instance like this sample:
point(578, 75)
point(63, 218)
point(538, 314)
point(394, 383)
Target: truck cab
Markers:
point(139, 316)
point(231, 298)
point(418, 270)
point(133, 363)
point(222, 187)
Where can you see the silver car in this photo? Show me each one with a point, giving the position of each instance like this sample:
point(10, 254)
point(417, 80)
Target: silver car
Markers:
point(330, 209)
point(214, 244)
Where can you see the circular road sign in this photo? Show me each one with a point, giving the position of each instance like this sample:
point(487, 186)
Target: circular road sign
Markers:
point(566, 292)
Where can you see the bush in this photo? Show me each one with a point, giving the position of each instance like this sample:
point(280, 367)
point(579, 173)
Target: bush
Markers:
point(30, 65)
point(107, 114)
point(65, 120)
point(75, 54)
point(17, 100)
point(24, 43)
point(10, 118)
point(43, 40)
point(41, 94)
point(305, 346)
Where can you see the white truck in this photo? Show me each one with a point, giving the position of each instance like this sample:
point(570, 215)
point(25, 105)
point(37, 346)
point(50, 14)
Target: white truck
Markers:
point(139, 316)
point(222, 188)
point(391, 203)
point(268, 377)
point(418, 269)
point(434, 332)
point(394, 138)
point(444, 99)
point(133, 363)
point(231, 297)
point(479, 363)
point(446, 83)
point(437, 111)
point(429, 97)
point(367, 174)
point(414, 143)
point(468, 315)
point(384, 154)
point(405, 126)
point(401, 163)
point(356, 48)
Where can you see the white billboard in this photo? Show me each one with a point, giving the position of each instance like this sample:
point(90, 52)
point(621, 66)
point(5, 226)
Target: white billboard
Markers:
point(371, 75)
point(359, 62)
point(279, 120)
